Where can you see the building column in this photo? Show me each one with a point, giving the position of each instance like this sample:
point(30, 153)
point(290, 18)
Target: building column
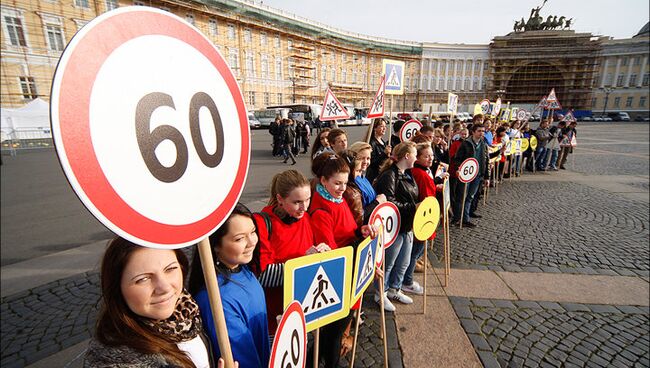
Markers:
point(462, 78)
point(629, 72)
point(618, 69)
point(472, 76)
point(446, 81)
point(437, 84)
point(639, 82)
point(421, 73)
point(480, 77)
point(604, 76)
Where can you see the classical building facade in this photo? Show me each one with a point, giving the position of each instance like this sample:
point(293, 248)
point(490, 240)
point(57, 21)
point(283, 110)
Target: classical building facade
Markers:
point(281, 58)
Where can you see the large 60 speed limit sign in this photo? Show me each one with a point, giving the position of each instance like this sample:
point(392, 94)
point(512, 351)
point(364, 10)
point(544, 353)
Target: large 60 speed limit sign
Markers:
point(150, 127)
point(468, 170)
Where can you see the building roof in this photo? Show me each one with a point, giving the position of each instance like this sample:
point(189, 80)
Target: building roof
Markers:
point(645, 30)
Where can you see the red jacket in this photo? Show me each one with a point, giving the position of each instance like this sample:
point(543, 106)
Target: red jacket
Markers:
point(288, 241)
point(426, 186)
point(452, 152)
point(333, 223)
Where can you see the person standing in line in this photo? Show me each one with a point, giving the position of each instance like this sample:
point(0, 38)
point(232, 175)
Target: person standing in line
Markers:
point(543, 137)
point(338, 140)
point(380, 149)
point(275, 129)
point(146, 318)
point(287, 138)
point(397, 184)
point(321, 144)
point(567, 135)
point(553, 148)
point(233, 246)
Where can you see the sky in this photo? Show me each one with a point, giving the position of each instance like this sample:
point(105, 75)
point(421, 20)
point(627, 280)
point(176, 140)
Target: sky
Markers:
point(467, 21)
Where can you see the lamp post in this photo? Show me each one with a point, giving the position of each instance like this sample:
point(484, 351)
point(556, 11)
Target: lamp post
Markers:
point(293, 87)
point(607, 91)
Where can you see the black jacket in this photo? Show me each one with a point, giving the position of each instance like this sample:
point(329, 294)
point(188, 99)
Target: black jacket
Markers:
point(466, 150)
point(377, 157)
point(402, 190)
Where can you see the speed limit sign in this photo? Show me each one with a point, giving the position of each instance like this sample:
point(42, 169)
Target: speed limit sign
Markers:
point(150, 127)
point(386, 214)
point(521, 115)
point(290, 342)
point(485, 106)
point(409, 130)
point(468, 170)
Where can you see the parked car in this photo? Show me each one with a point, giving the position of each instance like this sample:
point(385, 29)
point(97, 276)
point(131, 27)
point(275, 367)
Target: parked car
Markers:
point(598, 118)
point(619, 116)
point(640, 118)
point(607, 118)
point(586, 118)
point(253, 123)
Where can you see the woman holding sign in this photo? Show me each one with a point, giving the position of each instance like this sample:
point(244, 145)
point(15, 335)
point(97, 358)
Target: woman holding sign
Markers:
point(146, 319)
point(233, 246)
point(397, 184)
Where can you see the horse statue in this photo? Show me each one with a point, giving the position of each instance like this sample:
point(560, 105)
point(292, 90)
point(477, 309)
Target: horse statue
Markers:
point(567, 23)
point(547, 24)
point(519, 25)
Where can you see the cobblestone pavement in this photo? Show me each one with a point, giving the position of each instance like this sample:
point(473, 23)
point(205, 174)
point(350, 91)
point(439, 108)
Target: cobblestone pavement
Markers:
point(55, 316)
point(555, 227)
point(546, 334)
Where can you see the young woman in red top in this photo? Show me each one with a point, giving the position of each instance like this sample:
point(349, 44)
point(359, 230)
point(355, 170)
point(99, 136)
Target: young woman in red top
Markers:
point(290, 237)
point(334, 224)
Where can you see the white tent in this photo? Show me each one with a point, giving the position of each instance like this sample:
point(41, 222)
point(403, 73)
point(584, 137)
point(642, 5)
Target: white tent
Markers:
point(31, 121)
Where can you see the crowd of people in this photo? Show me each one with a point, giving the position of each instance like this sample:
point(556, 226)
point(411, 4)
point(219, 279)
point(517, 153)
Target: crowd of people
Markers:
point(152, 314)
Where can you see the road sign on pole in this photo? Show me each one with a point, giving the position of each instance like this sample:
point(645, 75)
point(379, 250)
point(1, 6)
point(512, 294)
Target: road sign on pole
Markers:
point(468, 170)
point(386, 214)
point(393, 70)
point(364, 267)
point(290, 342)
point(332, 108)
point(184, 140)
point(409, 130)
point(378, 105)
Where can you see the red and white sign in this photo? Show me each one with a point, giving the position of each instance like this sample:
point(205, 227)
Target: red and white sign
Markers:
point(290, 342)
point(555, 105)
point(485, 106)
point(521, 115)
point(377, 108)
point(543, 103)
point(569, 117)
point(386, 214)
point(551, 96)
point(497, 107)
point(468, 170)
point(332, 108)
point(150, 127)
point(409, 130)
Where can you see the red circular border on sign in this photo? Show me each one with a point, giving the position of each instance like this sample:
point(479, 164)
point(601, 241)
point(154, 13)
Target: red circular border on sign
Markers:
point(294, 307)
point(399, 219)
point(81, 69)
point(461, 167)
point(401, 131)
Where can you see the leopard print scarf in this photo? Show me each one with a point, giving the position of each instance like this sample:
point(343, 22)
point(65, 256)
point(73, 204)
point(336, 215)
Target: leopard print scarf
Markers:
point(184, 324)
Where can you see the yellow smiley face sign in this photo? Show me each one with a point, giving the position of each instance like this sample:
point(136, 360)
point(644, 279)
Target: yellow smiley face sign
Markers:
point(427, 216)
point(524, 144)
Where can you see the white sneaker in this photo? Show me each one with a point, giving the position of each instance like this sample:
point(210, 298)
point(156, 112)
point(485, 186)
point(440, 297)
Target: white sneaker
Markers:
point(388, 306)
point(413, 289)
point(397, 295)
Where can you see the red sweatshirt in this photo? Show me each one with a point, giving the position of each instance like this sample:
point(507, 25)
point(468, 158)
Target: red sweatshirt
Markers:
point(333, 223)
point(288, 241)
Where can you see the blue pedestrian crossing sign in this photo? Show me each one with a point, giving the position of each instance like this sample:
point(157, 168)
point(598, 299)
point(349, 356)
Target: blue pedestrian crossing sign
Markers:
point(321, 283)
point(364, 267)
point(394, 72)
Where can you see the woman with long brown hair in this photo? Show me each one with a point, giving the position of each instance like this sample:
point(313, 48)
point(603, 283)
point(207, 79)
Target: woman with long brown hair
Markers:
point(147, 318)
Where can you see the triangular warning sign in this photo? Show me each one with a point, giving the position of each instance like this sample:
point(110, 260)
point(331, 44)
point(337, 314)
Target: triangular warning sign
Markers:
point(551, 96)
point(377, 108)
point(332, 108)
point(569, 117)
point(321, 293)
point(555, 105)
point(543, 103)
point(393, 78)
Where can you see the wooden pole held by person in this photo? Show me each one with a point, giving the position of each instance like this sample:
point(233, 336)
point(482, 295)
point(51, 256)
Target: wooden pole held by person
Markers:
point(424, 280)
point(390, 122)
point(381, 306)
point(356, 332)
point(462, 208)
point(214, 296)
point(316, 343)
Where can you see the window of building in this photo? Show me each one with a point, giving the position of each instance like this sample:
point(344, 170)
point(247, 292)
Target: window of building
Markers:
point(646, 79)
point(344, 76)
point(14, 28)
point(213, 27)
point(28, 88)
point(619, 81)
point(278, 68)
point(55, 39)
point(624, 62)
point(333, 73)
point(111, 4)
point(265, 66)
point(355, 77)
point(628, 102)
point(247, 35)
point(594, 101)
point(637, 61)
point(632, 79)
point(617, 102)
point(250, 64)
point(466, 84)
point(251, 98)
point(233, 60)
point(475, 86)
point(289, 44)
point(262, 39)
point(642, 101)
point(279, 97)
point(323, 73)
point(425, 64)
point(82, 4)
point(407, 83)
point(267, 99)
point(608, 79)
point(231, 32)
point(277, 41)
point(189, 18)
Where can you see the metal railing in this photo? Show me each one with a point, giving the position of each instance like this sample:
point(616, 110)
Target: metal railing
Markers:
point(14, 140)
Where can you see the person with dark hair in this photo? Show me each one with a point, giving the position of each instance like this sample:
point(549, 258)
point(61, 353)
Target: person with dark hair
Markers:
point(275, 129)
point(321, 144)
point(338, 140)
point(380, 149)
point(394, 137)
point(232, 246)
point(146, 318)
point(288, 135)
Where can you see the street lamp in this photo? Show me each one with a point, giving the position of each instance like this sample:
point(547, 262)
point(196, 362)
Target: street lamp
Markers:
point(293, 85)
point(607, 91)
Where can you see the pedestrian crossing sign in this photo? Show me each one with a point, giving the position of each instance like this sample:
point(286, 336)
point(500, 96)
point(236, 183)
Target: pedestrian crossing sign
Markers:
point(393, 70)
point(364, 267)
point(321, 283)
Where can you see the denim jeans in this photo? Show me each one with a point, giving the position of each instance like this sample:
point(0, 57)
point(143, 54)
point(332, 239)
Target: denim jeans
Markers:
point(553, 160)
point(416, 252)
point(472, 189)
point(397, 259)
point(540, 158)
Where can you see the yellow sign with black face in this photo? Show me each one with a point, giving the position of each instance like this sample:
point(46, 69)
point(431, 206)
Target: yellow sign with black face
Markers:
point(533, 142)
point(426, 218)
point(524, 144)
